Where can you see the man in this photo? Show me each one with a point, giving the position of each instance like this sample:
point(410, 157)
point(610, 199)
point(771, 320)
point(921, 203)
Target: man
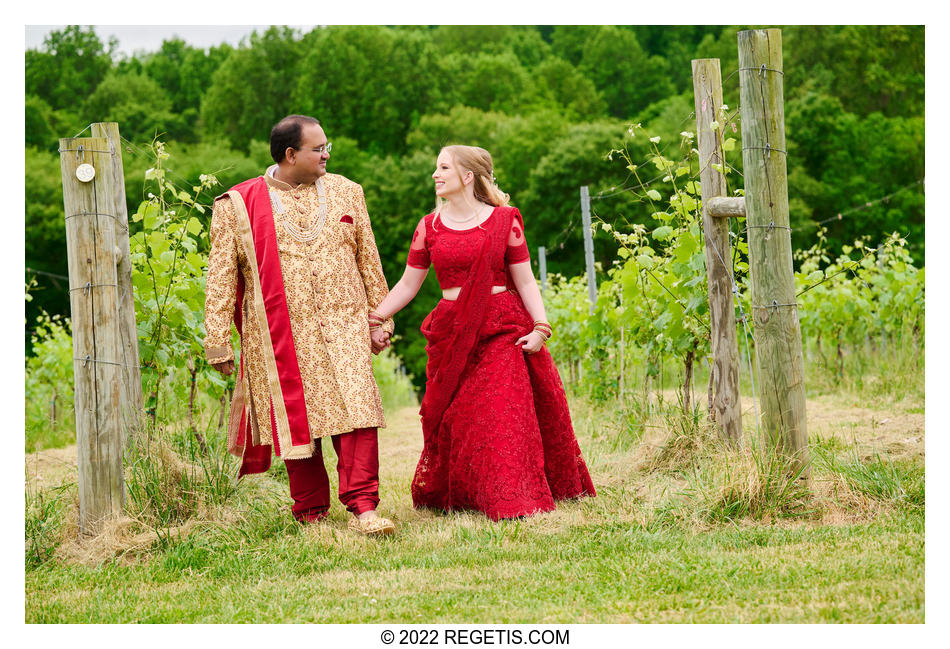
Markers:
point(294, 265)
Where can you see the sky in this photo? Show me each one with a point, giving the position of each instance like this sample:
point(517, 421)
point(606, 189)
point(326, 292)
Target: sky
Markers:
point(149, 38)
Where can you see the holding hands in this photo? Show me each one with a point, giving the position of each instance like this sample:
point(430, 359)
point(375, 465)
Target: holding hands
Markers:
point(379, 339)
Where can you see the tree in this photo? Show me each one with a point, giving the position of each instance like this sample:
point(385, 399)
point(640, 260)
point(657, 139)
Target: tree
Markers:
point(45, 244)
point(138, 104)
point(185, 73)
point(372, 88)
point(70, 66)
point(564, 85)
point(252, 89)
point(874, 67)
point(629, 79)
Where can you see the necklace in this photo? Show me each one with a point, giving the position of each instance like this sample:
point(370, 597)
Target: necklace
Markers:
point(461, 221)
point(298, 233)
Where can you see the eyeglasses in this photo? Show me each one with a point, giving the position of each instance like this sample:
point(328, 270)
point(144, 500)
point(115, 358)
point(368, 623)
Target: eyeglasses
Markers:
point(318, 149)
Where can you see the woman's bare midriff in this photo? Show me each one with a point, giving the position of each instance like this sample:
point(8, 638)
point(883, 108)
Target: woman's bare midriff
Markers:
point(452, 294)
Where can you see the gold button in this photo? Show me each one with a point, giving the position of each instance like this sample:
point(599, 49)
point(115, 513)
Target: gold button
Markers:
point(316, 272)
point(301, 209)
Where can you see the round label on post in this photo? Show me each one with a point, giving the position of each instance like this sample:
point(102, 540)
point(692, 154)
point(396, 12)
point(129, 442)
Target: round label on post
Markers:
point(85, 172)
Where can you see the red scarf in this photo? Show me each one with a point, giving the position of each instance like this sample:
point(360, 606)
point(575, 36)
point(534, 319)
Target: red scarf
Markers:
point(256, 457)
point(451, 342)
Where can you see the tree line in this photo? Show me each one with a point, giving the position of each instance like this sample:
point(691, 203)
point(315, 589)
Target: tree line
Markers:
point(549, 102)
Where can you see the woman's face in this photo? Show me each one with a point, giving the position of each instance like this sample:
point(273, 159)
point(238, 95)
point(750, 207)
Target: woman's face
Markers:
point(447, 176)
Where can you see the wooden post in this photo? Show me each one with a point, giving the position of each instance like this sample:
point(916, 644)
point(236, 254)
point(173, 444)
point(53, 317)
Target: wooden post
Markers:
point(725, 407)
point(588, 248)
point(97, 369)
point(774, 309)
point(131, 396)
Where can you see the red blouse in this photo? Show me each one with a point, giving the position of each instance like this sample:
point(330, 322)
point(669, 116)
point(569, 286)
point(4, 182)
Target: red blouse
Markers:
point(452, 252)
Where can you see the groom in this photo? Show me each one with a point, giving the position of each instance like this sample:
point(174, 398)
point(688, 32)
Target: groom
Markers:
point(294, 265)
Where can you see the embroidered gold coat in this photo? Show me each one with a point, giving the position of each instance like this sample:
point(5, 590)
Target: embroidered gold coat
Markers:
point(331, 282)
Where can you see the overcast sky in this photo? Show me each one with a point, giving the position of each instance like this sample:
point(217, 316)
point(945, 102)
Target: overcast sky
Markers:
point(149, 37)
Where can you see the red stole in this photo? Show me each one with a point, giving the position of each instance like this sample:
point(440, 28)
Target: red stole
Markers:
point(451, 343)
point(256, 457)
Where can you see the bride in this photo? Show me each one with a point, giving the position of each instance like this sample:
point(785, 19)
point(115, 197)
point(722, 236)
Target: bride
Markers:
point(497, 434)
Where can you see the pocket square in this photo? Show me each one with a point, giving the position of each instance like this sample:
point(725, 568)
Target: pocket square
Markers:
point(346, 219)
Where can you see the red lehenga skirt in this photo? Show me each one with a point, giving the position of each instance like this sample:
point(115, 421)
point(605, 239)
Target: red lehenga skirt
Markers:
point(503, 443)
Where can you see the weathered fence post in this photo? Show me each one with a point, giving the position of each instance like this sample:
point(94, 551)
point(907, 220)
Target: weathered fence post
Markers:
point(778, 338)
point(588, 248)
point(91, 223)
point(131, 395)
point(725, 405)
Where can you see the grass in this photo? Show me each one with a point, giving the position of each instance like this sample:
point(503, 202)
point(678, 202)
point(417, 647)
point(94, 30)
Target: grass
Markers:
point(683, 529)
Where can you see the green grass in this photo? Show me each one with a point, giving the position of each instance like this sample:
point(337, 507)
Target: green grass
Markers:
point(683, 529)
point(460, 569)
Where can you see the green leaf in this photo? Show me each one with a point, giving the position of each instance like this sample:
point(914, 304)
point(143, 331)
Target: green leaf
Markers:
point(662, 233)
point(729, 144)
point(194, 226)
point(646, 261)
point(150, 215)
point(655, 195)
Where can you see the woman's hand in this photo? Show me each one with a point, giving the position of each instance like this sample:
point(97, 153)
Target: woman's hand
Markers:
point(532, 342)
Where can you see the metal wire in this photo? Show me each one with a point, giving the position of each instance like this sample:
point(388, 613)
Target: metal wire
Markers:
point(85, 213)
point(89, 359)
point(87, 286)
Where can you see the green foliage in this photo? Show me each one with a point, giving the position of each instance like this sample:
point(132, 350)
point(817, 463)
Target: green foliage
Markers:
point(43, 523)
point(169, 477)
point(373, 87)
point(45, 241)
point(139, 105)
point(752, 483)
point(169, 279)
point(895, 482)
point(866, 296)
point(71, 64)
point(251, 90)
point(656, 292)
point(628, 77)
point(49, 384)
point(395, 387)
point(543, 100)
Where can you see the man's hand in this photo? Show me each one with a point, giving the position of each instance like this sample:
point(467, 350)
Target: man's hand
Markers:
point(225, 368)
point(379, 340)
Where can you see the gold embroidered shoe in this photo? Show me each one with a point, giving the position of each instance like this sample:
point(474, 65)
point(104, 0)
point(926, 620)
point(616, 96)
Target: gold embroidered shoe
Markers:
point(377, 526)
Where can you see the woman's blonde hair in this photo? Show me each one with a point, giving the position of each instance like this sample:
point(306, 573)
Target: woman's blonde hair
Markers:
point(479, 162)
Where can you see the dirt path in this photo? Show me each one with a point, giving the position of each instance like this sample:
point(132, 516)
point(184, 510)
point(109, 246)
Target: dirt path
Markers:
point(887, 428)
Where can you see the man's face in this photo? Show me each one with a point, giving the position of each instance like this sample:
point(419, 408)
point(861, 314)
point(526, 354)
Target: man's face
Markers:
point(310, 164)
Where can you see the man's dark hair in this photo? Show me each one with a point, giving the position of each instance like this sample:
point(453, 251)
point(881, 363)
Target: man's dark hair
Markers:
point(286, 133)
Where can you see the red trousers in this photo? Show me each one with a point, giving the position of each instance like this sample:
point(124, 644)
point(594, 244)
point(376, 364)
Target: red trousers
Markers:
point(357, 464)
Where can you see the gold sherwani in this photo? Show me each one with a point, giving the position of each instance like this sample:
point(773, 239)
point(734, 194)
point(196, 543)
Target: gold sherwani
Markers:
point(331, 282)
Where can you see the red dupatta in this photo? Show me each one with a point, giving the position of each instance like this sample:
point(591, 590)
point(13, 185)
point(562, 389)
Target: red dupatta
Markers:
point(450, 343)
point(287, 398)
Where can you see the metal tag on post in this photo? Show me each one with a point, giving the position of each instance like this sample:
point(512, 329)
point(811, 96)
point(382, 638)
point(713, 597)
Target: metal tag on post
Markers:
point(85, 172)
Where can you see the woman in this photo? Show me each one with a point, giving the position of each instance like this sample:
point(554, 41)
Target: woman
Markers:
point(496, 428)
